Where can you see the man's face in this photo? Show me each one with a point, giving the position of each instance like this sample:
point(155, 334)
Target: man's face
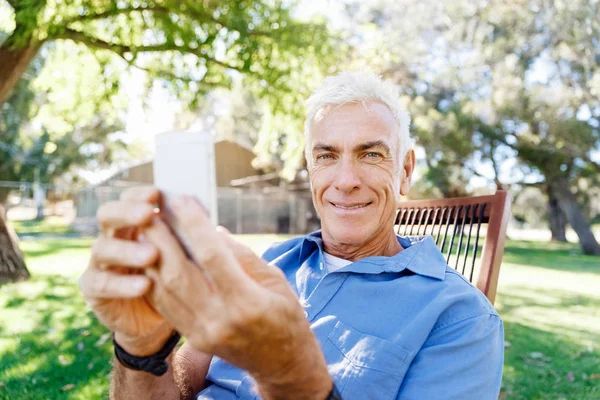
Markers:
point(356, 177)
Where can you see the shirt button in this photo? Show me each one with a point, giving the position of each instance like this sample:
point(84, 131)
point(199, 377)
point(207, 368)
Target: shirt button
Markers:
point(321, 266)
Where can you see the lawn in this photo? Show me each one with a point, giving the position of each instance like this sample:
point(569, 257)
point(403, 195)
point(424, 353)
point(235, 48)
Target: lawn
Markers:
point(51, 225)
point(549, 300)
point(51, 347)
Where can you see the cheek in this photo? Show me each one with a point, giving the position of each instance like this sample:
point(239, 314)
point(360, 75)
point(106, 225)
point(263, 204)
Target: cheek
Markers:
point(385, 182)
point(319, 181)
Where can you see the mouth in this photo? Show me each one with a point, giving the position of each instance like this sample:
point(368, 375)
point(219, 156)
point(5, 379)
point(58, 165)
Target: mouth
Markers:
point(349, 206)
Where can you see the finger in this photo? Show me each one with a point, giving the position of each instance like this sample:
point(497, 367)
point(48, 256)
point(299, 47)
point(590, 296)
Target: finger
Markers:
point(146, 194)
point(170, 306)
point(177, 273)
point(96, 283)
point(119, 214)
point(222, 229)
point(110, 251)
point(207, 245)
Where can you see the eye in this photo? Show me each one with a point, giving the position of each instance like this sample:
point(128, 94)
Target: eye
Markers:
point(373, 154)
point(325, 156)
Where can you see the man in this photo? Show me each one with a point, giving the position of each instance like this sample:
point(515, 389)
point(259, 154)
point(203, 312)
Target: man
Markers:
point(352, 311)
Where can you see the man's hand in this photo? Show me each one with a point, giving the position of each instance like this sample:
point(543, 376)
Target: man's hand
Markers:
point(229, 302)
point(114, 285)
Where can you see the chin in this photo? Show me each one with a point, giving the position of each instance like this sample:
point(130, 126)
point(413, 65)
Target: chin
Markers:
point(349, 234)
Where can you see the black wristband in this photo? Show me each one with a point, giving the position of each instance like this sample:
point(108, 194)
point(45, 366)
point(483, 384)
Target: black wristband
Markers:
point(334, 394)
point(155, 364)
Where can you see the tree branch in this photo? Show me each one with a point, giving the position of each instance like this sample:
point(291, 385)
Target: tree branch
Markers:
point(493, 159)
point(197, 15)
point(121, 49)
point(171, 75)
point(80, 37)
point(499, 184)
point(114, 12)
point(474, 172)
point(533, 184)
point(181, 49)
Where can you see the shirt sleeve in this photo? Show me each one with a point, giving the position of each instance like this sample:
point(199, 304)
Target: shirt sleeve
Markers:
point(462, 360)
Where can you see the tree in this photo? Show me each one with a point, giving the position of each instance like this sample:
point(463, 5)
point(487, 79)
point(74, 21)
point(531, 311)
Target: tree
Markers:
point(59, 116)
point(556, 217)
point(508, 80)
point(12, 265)
point(39, 144)
point(548, 126)
point(190, 47)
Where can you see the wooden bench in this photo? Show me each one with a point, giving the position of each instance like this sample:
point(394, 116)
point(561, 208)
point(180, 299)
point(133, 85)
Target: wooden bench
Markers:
point(459, 226)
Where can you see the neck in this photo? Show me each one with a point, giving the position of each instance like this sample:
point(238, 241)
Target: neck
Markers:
point(377, 246)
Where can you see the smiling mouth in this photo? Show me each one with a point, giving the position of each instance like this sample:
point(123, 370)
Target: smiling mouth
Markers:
point(350, 206)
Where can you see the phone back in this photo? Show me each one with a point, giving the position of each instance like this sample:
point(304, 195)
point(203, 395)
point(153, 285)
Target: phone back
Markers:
point(185, 164)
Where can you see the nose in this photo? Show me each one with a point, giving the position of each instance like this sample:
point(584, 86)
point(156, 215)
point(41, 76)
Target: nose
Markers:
point(347, 178)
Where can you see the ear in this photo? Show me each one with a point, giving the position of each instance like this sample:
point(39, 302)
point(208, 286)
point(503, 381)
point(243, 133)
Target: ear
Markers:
point(407, 170)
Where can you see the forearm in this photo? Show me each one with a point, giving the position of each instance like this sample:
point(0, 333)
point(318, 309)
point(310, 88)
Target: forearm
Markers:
point(305, 379)
point(130, 384)
point(308, 390)
point(190, 369)
point(183, 380)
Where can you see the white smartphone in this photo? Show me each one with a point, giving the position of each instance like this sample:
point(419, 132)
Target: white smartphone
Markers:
point(184, 163)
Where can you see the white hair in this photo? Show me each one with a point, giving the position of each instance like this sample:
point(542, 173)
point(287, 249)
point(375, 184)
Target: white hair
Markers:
point(359, 87)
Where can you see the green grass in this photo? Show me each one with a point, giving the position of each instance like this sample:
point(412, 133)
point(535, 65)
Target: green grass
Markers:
point(48, 226)
point(548, 298)
point(48, 338)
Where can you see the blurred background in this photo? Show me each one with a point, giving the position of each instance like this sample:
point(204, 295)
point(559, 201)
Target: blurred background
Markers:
point(503, 95)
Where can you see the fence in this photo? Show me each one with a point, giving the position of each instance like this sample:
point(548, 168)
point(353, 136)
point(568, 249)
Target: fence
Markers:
point(27, 200)
point(274, 211)
point(240, 210)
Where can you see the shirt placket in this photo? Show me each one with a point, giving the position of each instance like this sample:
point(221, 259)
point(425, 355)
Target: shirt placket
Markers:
point(329, 285)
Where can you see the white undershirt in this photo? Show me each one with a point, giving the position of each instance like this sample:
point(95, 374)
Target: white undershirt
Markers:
point(333, 263)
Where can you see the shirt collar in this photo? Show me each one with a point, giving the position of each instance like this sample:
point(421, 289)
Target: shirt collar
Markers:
point(420, 256)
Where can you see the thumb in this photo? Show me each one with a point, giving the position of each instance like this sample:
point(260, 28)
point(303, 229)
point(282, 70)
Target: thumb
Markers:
point(252, 264)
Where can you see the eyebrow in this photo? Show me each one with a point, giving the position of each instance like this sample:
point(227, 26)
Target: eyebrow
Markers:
point(361, 147)
point(373, 144)
point(325, 147)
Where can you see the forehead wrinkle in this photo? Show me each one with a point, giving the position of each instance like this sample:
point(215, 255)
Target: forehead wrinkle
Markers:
point(382, 122)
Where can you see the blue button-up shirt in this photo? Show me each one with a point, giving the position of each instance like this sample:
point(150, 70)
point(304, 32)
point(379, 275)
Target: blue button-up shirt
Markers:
point(400, 327)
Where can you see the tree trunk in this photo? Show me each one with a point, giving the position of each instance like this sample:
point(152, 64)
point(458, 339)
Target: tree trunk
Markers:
point(12, 264)
point(13, 65)
point(39, 195)
point(556, 218)
point(4, 192)
point(568, 204)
